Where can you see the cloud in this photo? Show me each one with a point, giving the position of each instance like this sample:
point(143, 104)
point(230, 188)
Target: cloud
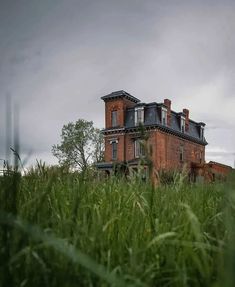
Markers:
point(58, 59)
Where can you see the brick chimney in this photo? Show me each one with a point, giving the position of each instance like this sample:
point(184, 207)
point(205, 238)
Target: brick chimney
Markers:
point(167, 103)
point(186, 112)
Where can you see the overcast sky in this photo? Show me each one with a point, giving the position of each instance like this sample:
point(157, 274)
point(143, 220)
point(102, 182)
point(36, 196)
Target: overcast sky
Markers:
point(57, 58)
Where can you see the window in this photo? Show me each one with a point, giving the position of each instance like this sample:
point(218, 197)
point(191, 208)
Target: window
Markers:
point(139, 148)
point(202, 133)
point(114, 143)
point(200, 156)
point(114, 118)
point(181, 153)
point(139, 115)
point(182, 124)
point(114, 150)
point(164, 116)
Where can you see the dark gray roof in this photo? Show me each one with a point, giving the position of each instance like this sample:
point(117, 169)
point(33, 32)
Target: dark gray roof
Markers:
point(152, 117)
point(120, 94)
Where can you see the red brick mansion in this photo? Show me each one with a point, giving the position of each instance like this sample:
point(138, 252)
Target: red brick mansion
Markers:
point(137, 133)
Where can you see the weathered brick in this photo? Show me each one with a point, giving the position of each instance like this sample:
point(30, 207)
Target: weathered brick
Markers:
point(164, 147)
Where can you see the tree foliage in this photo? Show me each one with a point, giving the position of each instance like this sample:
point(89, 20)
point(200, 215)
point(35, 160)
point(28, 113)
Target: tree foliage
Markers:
point(81, 145)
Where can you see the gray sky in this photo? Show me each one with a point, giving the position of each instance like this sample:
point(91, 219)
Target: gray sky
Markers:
point(57, 58)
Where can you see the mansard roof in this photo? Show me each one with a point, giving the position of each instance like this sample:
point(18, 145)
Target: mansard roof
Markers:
point(152, 119)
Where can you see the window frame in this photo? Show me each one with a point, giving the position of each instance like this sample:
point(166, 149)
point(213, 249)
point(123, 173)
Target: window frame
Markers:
point(164, 116)
point(139, 115)
point(114, 150)
point(139, 151)
point(114, 123)
point(201, 156)
point(202, 130)
point(182, 124)
point(181, 153)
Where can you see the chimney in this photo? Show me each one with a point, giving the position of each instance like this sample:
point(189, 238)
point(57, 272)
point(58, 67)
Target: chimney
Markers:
point(186, 112)
point(167, 103)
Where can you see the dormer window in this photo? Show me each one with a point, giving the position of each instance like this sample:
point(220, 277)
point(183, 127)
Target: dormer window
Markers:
point(202, 133)
point(182, 124)
point(164, 116)
point(139, 115)
point(114, 118)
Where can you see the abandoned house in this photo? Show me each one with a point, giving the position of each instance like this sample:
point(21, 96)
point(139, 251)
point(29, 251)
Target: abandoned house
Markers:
point(153, 136)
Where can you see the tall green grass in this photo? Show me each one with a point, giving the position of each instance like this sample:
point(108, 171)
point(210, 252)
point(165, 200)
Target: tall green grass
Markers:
point(61, 229)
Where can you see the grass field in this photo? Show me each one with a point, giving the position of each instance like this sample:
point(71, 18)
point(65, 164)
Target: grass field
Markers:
point(60, 229)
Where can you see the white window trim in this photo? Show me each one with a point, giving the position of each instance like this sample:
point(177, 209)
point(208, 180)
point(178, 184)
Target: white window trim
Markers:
point(111, 142)
point(135, 150)
point(164, 112)
point(137, 145)
point(142, 115)
point(182, 124)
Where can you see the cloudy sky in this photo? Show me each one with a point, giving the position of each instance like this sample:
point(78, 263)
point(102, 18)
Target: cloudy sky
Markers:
point(58, 57)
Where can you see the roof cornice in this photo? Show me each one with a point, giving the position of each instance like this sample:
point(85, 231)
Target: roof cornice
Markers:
point(120, 94)
point(159, 127)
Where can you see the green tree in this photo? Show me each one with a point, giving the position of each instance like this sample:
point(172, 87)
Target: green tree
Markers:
point(81, 145)
point(98, 140)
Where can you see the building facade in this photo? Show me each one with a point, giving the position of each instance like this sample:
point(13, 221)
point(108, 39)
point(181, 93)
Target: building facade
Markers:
point(145, 133)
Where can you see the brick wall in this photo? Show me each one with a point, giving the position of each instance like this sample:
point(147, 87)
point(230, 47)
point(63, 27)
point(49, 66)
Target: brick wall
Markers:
point(120, 147)
point(219, 168)
point(167, 154)
point(164, 149)
point(129, 146)
point(118, 105)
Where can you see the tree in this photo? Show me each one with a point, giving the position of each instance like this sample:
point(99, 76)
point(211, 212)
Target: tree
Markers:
point(98, 139)
point(81, 144)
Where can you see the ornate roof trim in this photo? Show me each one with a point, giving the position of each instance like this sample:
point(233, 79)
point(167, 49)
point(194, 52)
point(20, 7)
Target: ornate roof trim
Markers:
point(120, 94)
